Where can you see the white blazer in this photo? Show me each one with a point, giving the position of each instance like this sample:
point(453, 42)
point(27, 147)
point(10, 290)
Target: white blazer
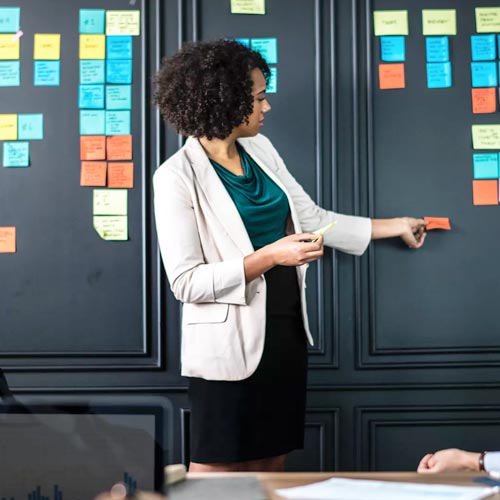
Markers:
point(203, 242)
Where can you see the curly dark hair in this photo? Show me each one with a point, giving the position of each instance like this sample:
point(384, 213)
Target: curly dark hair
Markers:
point(205, 89)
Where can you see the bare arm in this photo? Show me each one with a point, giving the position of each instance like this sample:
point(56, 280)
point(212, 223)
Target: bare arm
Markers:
point(409, 229)
point(450, 460)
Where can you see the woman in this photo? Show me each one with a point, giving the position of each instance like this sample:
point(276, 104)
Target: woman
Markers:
point(230, 221)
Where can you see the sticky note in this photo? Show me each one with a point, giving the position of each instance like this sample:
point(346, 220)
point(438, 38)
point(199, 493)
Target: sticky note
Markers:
point(119, 147)
point(392, 48)
point(248, 7)
point(484, 100)
point(118, 97)
point(92, 71)
point(267, 47)
point(92, 122)
point(483, 47)
point(123, 22)
point(91, 96)
point(485, 192)
point(438, 75)
point(485, 165)
point(16, 154)
point(391, 76)
point(47, 47)
point(92, 21)
point(111, 228)
point(484, 74)
point(92, 147)
point(93, 173)
point(10, 74)
point(47, 73)
point(243, 41)
point(486, 136)
point(121, 175)
point(110, 202)
point(8, 127)
point(117, 122)
point(9, 48)
point(488, 19)
point(30, 127)
point(119, 47)
point(7, 239)
point(92, 46)
point(119, 71)
point(437, 49)
point(439, 21)
point(272, 84)
point(390, 22)
point(437, 223)
point(9, 19)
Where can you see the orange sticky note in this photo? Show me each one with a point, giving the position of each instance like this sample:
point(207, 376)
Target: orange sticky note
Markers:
point(7, 240)
point(92, 147)
point(119, 147)
point(121, 175)
point(485, 192)
point(391, 76)
point(93, 173)
point(437, 223)
point(484, 100)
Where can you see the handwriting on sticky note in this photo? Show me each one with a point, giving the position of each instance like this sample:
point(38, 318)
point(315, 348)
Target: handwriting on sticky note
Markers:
point(486, 136)
point(121, 175)
point(248, 7)
point(119, 147)
point(392, 76)
point(123, 22)
point(110, 201)
point(47, 46)
point(439, 21)
point(484, 100)
point(9, 48)
point(390, 22)
point(9, 19)
point(92, 46)
point(92, 147)
point(437, 223)
point(93, 173)
point(30, 127)
point(10, 74)
point(112, 228)
point(16, 154)
point(7, 239)
point(8, 127)
point(488, 19)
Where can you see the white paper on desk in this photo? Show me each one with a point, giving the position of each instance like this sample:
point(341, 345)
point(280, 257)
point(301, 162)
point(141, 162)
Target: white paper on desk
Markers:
point(360, 489)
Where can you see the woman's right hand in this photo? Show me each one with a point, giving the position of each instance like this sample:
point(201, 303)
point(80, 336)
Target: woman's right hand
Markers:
point(297, 249)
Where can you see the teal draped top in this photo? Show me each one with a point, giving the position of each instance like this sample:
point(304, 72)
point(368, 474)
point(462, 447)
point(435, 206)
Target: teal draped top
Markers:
point(262, 204)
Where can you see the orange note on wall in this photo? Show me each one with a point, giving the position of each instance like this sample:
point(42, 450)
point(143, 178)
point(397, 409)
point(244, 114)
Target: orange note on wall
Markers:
point(484, 100)
point(7, 240)
point(437, 223)
point(121, 175)
point(119, 147)
point(93, 173)
point(391, 76)
point(485, 192)
point(92, 147)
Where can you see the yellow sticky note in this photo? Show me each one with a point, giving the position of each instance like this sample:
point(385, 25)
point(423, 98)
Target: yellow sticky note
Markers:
point(8, 127)
point(112, 228)
point(110, 202)
point(486, 136)
point(488, 19)
point(123, 22)
point(248, 7)
point(9, 48)
point(390, 22)
point(92, 46)
point(47, 47)
point(439, 21)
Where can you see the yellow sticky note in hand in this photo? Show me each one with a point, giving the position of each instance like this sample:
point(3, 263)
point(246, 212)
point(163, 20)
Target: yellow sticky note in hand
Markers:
point(322, 230)
point(47, 47)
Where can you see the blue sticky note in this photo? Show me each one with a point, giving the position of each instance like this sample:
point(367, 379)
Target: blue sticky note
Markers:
point(392, 48)
point(119, 47)
point(438, 75)
point(92, 21)
point(485, 165)
point(16, 154)
point(92, 71)
point(119, 71)
point(484, 74)
point(30, 127)
point(10, 74)
point(47, 73)
point(272, 85)
point(118, 96)
point(117, 122)
point(268, 48)
point(483, 47)
point(437, 49)
point(92, 122)
point(91, 96)
point(243, 41)
point(9, 19)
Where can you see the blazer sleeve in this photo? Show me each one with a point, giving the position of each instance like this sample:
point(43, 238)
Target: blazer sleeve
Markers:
point(191, 278)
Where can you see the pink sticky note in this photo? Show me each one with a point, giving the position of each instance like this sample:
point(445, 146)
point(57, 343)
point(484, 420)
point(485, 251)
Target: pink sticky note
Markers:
point(19, 34)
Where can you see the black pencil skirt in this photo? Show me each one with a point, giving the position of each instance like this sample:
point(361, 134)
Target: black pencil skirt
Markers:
point(263, 415)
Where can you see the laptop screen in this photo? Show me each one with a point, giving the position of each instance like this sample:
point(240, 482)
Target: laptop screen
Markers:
point(75, 452)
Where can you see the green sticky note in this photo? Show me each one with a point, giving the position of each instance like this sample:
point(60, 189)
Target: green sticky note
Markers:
point(16, 154)
point(267, 47)
point(92, 71)
point(118, 96)
point(390, 22)
point(10, 75)
point(117, 122)
point(30, 126)
point(92, 122)
point(92, 21)
point(9, 19)
point(111, 227)
point(110, 202)
point(486, 136)
point(248, 7)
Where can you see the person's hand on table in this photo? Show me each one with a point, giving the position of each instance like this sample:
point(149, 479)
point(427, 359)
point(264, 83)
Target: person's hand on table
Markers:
point(119, 492)
point(449, 460)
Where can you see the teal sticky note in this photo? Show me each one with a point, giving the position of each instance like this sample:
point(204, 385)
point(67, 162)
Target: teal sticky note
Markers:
point(438, 75)
point(30, 127)
point(272, 84)
point(243, 41)
point(92, 122)
point(47, 73)
point(484, 74)
point(117, 122)
point(91, 96)
point(92, 21)
point(268, 48)
point(10, 74)
point(119, 71)
point(118, 96)
point(392, 48)
point(9, 19)
point(92, 71)
point(437, 49)
point(485, 165)
point(483, 47)
point(119, 47)
point(16, 154)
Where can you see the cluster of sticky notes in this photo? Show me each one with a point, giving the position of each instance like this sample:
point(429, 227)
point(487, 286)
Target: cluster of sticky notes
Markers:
point(248, 7)
point(110, 214)
point(47, 55)
point(10, 73)
point(7, 239)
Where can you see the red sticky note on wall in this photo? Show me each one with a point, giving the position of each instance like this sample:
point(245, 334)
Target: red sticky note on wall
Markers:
point(391, 76)
point(121, 175)
point(437, 223)
point(7, 239)
point(484, 100)
point(93, 173)
point(119, 147)
point(92, 147)
point(485, 192)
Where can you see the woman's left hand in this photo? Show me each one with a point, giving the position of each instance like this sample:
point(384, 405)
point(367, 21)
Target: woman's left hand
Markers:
point(413, 232)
